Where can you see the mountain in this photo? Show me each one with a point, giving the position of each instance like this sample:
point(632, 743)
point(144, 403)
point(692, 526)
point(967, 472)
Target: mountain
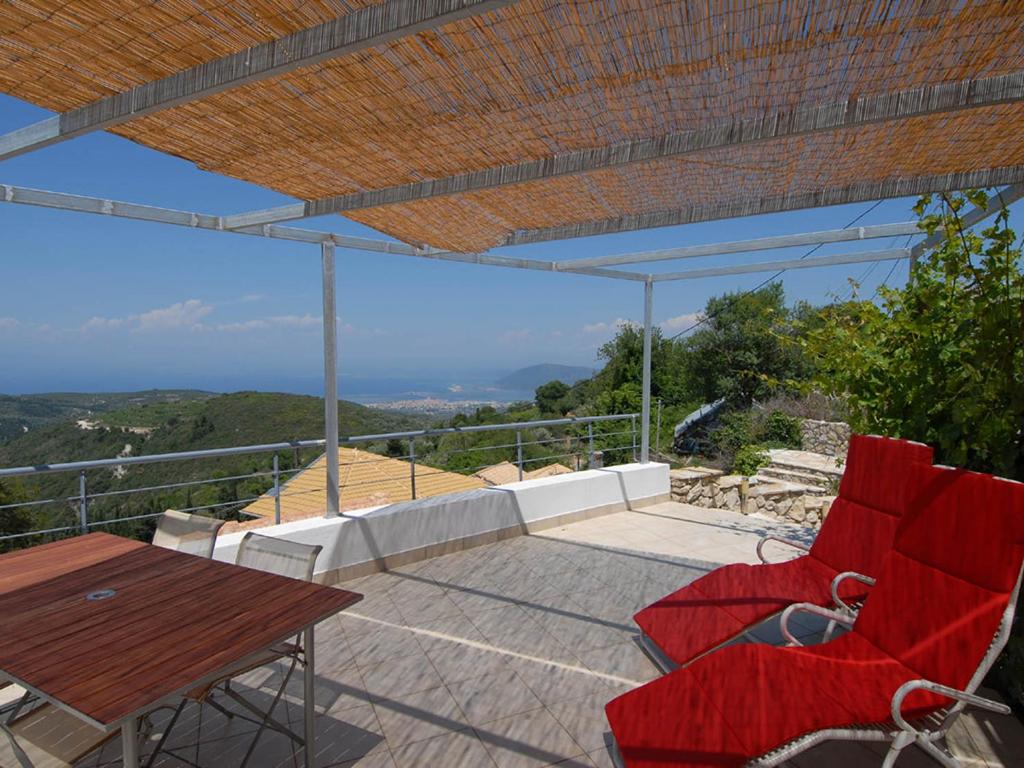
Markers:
point(23, 413)
point(533, 376)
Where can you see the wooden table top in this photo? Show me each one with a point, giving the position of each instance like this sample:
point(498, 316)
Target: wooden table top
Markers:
point(175, 621)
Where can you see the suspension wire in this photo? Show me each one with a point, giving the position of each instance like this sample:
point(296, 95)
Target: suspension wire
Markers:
point(765, 282)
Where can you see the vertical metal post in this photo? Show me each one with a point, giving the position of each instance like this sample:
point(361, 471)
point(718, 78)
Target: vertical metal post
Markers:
point(277, 491)
point(590, 443)
point(519, 452)
point(83, 504)
point(308, 698)
point(632, 430)
point(645, 409)
point(657, 431)
point(330, 380)
point(412, 465)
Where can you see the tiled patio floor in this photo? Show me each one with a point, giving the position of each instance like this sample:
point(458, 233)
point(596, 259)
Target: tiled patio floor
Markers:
point(504, 655)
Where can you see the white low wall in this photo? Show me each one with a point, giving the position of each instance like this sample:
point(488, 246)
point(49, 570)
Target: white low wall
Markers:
point(371, 539)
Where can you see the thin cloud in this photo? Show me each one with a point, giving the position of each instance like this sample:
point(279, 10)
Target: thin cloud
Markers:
point(7, 323)
point(180, 315)
point(681, 322)
point(603, 327)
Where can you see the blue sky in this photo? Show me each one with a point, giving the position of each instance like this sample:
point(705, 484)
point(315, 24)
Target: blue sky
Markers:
point(93, 303)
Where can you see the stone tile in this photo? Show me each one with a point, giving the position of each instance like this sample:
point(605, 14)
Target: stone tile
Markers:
point(382, 644)
point(442, 633)
point(400, 676)
point(584, 719)
point(460, 749)
point(493, 696)
point(532, 739)
point(553, 684)
point(625, 661)
point(416, 611)
point(419, 716)
point(350, 737)
point(458, 662)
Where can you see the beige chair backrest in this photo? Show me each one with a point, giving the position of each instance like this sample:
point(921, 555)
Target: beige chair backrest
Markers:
point(285, 558)
point(193, 534)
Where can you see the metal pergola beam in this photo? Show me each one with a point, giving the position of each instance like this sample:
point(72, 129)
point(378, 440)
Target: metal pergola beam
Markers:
point(976, 215)
point(773, 266)
point(748, 246)
point(365, 28)
point(95, 205)
point(855, 193)
point(803, 121)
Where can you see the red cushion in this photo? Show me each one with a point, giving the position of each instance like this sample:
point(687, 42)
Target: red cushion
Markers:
point(943, 590)
point(874, 474)
point(873, 494)
point(742, 701)
point(722, 604)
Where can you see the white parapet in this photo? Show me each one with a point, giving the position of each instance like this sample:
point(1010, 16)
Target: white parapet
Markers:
point(365, 540)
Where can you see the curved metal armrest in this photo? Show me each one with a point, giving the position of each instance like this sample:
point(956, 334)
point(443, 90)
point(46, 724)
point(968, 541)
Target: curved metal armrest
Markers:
point(840, 618)
point(788, 542)
point(841, 577)
point(927, 685)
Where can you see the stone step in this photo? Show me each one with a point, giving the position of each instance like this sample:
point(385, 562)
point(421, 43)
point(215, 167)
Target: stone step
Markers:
point(787, 474)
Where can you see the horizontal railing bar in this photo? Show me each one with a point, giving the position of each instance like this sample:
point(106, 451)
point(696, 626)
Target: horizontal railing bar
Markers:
point(78, 466)
point(126, 491)
point(40, 502)
point(43, 532)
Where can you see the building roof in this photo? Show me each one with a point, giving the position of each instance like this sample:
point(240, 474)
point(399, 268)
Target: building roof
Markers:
point(506, 472)
point(469, 124)
point(366, 480)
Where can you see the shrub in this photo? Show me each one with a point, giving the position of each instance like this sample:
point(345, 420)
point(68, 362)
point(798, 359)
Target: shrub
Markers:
point(749, 459)
point(781, 430)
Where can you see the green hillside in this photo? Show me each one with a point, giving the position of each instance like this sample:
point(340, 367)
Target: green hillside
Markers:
point(163, 425)
point(23, 413)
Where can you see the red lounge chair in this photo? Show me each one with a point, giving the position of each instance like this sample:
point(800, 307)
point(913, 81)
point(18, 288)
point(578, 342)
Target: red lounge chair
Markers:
point(928, 633)
point(857, 533)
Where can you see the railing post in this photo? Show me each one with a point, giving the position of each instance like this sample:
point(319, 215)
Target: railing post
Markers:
point(412, 465)
point(632, 420)
point(83, 504)
point(657, 435)
point(590, 444)
point(277, 491)
point(519, 452)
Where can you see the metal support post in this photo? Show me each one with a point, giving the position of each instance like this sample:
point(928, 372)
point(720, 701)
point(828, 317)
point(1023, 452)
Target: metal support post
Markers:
point(83, 504)
point(590, 443)
point(645, 415)
point(657, 431)
point(277, 491)
point(308, 698)
point(519, 452)
point(412, 465)
point(330, 381)
point(632, 429)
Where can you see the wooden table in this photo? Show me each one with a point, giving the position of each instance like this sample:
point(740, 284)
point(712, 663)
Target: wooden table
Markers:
point(172, 623)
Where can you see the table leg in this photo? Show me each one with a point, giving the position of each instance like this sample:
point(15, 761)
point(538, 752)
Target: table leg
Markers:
point(130, 743)
point(308, 697)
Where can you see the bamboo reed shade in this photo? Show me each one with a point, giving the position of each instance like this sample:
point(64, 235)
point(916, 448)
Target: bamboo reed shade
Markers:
point(537, 78)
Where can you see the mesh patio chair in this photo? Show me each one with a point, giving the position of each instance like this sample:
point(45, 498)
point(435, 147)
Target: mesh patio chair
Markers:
point(272, 555)
point(192, 534)
point(928, 633)
point(835, 572)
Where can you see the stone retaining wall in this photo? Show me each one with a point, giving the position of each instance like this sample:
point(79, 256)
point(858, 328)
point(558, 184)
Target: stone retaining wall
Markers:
point(705, 487)
point(828, 437)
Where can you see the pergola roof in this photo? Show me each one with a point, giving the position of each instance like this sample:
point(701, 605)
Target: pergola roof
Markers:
point(466, 125)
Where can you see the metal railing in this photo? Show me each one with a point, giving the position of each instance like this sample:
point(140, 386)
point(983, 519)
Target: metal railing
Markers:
point(586, 441)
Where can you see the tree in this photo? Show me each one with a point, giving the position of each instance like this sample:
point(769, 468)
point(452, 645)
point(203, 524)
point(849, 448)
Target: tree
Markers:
point(551, 398)
point(747, 349)
point(942, 359)
point(13, 520)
